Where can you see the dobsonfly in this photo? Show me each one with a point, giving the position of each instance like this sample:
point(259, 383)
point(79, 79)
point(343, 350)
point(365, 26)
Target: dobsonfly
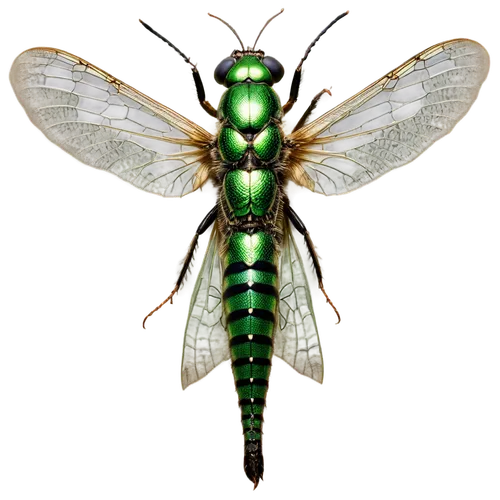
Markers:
point(251, 299)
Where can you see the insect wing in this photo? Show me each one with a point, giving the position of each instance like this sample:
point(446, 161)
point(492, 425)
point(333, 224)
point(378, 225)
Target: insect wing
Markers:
point(109, 125)
point(296, 337)
point(205, 340)
point(392, 121)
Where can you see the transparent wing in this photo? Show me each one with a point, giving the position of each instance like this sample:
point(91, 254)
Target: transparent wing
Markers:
point(205, 340)
point(392, 121)
point(109, 125)
point(296, 337)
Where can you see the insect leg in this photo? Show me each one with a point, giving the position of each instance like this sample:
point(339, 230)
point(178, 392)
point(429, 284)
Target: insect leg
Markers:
point(294, 90)
point(310, 109)
point(201, 94)
point(205, 224)
point(301, 228)
point(199, 87)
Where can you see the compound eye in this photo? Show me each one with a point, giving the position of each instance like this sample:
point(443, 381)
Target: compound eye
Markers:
point(223, 68)
point(275, 67)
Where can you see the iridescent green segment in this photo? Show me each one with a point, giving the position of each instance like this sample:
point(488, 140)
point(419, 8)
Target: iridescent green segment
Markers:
point(254, 299)
point(250, 248)
point(251, 275)
point(250, 370)
point(251, 347)
point(250, 303)
point(262, 323)
point(249, 107)
point(250, 192)
point(248, 391)
point(267, 145)
point(249, 68)
point(232, 145)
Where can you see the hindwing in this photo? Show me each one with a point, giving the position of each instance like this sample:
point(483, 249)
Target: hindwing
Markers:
point(205, 340)
point(296, 334)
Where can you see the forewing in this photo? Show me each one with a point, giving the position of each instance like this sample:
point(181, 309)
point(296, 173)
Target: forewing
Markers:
point(296, 337)
point(392, 121)
point(205, 340)
point(109, 125)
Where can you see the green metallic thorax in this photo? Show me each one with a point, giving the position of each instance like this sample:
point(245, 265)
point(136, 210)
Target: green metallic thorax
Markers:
point(250, 191)
point(249, 106)
point(250, 138)
point(249, 144)
point(248, 111)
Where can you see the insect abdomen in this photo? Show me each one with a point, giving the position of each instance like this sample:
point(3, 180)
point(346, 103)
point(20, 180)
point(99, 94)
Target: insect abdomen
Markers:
point(250, 300)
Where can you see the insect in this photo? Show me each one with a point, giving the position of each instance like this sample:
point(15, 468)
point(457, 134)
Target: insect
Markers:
point(251, 299)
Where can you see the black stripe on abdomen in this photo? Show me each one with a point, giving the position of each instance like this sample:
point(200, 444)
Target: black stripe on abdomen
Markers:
point(256, 287)
point(249, 381)
point(252, 401)
point(260, 265)
point(256, 313)
point(255, 361)
point(258, 339)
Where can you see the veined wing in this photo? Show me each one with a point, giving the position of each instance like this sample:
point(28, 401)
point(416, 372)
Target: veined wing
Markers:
point(296, 336)
point(205, 341)
point(392, 121)
point(109, 125)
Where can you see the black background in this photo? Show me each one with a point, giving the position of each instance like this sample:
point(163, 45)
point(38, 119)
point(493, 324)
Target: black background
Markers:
point(402, 259)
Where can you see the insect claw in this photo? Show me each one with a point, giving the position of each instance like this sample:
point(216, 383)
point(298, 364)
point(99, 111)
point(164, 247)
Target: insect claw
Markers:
point(168, 299)
point(326, 93)
point(330, 302)
point(329, 91)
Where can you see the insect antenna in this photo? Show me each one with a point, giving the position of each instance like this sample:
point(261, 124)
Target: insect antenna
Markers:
point(215, 17)
point(199, 87)
point(265, 26)
point(294, 91)
point(185, 57)
point(338, 18)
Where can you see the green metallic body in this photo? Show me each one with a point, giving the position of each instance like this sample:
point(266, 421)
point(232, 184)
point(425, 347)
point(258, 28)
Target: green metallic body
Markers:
point(250, 192)
point(250, 321)
point(250, 144)
point(249, 106)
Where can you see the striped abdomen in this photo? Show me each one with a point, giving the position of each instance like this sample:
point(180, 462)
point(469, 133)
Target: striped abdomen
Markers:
point(250, 302)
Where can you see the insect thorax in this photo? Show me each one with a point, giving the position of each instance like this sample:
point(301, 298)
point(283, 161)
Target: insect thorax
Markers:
point(250, 116)
point(249, 143)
